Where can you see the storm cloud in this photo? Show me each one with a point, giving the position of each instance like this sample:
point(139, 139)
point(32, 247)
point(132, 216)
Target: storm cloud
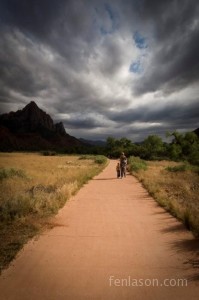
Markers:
point(120, 68)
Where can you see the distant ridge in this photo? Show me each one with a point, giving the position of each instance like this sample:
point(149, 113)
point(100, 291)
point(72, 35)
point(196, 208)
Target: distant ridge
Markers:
point(33, 129)
point(94, 142)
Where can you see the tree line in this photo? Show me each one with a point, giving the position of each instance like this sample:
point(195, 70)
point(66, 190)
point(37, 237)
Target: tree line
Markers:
point(182, 146)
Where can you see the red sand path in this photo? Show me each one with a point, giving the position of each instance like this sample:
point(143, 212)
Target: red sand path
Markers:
point(108, 237)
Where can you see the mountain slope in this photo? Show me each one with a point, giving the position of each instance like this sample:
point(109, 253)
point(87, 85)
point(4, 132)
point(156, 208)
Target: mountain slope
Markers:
point(33, 129)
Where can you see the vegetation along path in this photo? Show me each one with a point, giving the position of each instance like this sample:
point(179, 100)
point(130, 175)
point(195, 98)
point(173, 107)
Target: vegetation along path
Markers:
point(110, 241)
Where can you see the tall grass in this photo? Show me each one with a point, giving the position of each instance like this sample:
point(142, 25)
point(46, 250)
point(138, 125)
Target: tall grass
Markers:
point(178, 194)
point(33, 188)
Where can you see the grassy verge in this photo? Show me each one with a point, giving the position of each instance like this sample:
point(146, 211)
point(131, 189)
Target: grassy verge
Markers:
point(135, 164)
point(175, 187)
point(33, 187)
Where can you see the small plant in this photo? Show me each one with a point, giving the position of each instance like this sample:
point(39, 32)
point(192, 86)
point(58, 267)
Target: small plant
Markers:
point(136, 164)
point(15, 208)
point(11, 172)
point(179, 168)
point(48, 153)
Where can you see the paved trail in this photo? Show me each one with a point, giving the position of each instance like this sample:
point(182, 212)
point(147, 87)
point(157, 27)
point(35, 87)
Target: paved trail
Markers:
point(110, 234)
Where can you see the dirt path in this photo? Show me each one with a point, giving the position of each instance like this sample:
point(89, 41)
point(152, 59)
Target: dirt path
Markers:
point(107, 238)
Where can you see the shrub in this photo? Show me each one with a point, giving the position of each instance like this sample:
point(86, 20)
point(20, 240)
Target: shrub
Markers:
point(11, 172)
point(193, 158)
point(15, 208)
point(48, 153)
point(136, 164)
point(100, 160)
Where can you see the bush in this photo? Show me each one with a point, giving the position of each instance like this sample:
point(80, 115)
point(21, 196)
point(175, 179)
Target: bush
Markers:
point(11, 172)
point(193, 158)
point(136, 164)
point(15, 208)
point(100, 160)
point(48, 153)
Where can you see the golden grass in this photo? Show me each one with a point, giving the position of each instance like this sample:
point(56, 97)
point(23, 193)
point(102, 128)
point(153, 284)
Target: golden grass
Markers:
point(27, 201)
point(177, 192)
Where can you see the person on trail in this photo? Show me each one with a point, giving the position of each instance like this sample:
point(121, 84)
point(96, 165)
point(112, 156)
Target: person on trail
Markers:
point(118, 170)
point(123, 164)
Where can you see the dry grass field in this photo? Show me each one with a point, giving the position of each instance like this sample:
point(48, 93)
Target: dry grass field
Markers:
point(175, 186)
point(32, 188)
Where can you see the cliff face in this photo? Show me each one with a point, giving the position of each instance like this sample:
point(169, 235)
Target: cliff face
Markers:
point(29, 119)
point(197, 131)
point(59, 127)
point(33, 129)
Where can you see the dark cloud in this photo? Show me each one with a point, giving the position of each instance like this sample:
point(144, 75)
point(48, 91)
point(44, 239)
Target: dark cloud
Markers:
point(175, 59)
point(173, 17)
point(76, 122)
point(94, 61)
point(34, 16)
point(173, 113)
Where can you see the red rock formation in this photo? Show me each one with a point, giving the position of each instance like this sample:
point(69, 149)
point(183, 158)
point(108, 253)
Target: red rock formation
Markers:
point(33, 129)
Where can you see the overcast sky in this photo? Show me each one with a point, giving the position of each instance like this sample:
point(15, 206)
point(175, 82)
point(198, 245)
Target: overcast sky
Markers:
point(104, 68)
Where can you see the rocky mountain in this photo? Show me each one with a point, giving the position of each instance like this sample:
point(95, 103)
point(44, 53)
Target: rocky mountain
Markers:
point(197, 131)
point(33, 129)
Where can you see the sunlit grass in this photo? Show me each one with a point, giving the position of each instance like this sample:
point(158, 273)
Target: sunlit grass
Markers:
point(175, 187)
point(33, 187)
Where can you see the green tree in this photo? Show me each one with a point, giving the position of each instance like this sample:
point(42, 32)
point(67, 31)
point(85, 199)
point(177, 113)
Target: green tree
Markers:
point(184, 146)
point(116, 146)
point(152, 147)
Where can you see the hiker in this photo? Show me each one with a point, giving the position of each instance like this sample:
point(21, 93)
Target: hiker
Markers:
point(123, 164)
point(118, 170)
